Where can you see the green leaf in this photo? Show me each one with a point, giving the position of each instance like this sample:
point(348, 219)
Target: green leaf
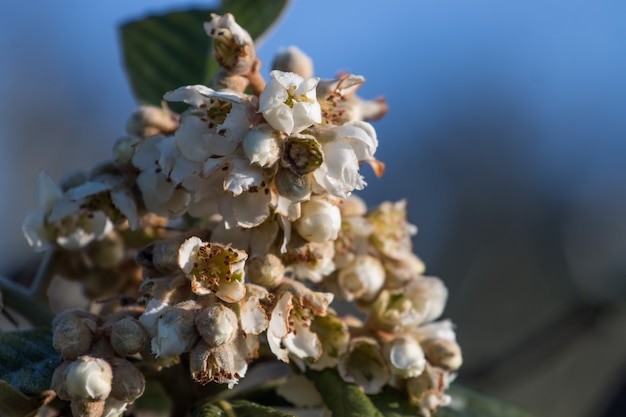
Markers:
point(239, 408)
point(28, 360)
point(14, 403)
point(345, 400)
point(164, 52)
point(470, 403)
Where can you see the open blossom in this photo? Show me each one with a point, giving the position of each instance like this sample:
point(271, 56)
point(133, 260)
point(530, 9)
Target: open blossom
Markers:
point(213, 268)
point(289, 103)
point(61, 220)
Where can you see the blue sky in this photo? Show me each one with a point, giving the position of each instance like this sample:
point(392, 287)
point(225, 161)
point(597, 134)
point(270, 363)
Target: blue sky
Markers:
point(555, 67)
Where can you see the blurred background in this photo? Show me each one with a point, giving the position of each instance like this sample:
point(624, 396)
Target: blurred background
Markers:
point(507, 136)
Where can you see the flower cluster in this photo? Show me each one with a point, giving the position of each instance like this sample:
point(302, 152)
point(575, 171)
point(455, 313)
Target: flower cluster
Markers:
point(254, 182)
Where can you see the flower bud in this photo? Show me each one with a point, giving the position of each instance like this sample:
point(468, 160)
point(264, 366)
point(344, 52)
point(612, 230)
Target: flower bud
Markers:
point(362, 278)
point(148, 121)
point(320, 221)
point(88, 378)
point(293, 186)
point(353, 206)
point(128, 382)
point(128, 336)
point(443, 353)
point(233, 47)
point(72, 333)
point(262, 146)
point(226, 81)
point(176, 331)
point(292, 59)
point(217, 324)
point(57, 383)
point(406, 357)
point(267, 271)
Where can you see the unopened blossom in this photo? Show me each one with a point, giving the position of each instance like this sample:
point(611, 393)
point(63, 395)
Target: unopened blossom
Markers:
point(176, 331)
point(362, 279)
point(319, 221)
point(213, 268)
point(217, 324)
point(88, 378)
point(147, 121)
point(262, 146)
point(223, 364)
point(292, 59)
point(364, 365)
point(289, 103)
point(406, 357)
point(233, 47)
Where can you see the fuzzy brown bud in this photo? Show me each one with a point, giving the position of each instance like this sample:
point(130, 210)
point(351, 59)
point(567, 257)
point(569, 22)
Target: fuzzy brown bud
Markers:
point(267, 271)
point(128, 336)
point(128, 382)
point(292, 59)
point(217, 324)
point(72, 333)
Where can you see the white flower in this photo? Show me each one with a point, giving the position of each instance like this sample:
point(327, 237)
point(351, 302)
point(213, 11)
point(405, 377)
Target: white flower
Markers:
point(213, 268)
point(289, 103)
point(289, 331)
point(89, 378)
point(215, 126)
point(262, 146)
point(362, 278)
point(406, 357)
point(319, 221)
point(61, 220)
point(343, 148)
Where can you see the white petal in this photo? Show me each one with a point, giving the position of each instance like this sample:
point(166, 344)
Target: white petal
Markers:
point(279, 326)
point(34, 231)
point(304, 115)
point(88, 189)
point(47, 191)
point(280, 117)
point(123, 201)
point(190, 139)
point(286, 79)
point(188, 253)
point(302, 342)
point(274, 94)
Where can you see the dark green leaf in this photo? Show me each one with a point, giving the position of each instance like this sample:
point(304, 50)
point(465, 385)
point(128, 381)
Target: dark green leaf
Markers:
point(239, 408)
point(469, 403)
point(28, 360)
point(345, 400)
point(164, 52)
point(14, 403)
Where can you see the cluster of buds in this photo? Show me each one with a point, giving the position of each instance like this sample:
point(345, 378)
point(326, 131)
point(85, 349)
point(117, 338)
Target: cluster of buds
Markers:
point(95, 375)
point(254, 181)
